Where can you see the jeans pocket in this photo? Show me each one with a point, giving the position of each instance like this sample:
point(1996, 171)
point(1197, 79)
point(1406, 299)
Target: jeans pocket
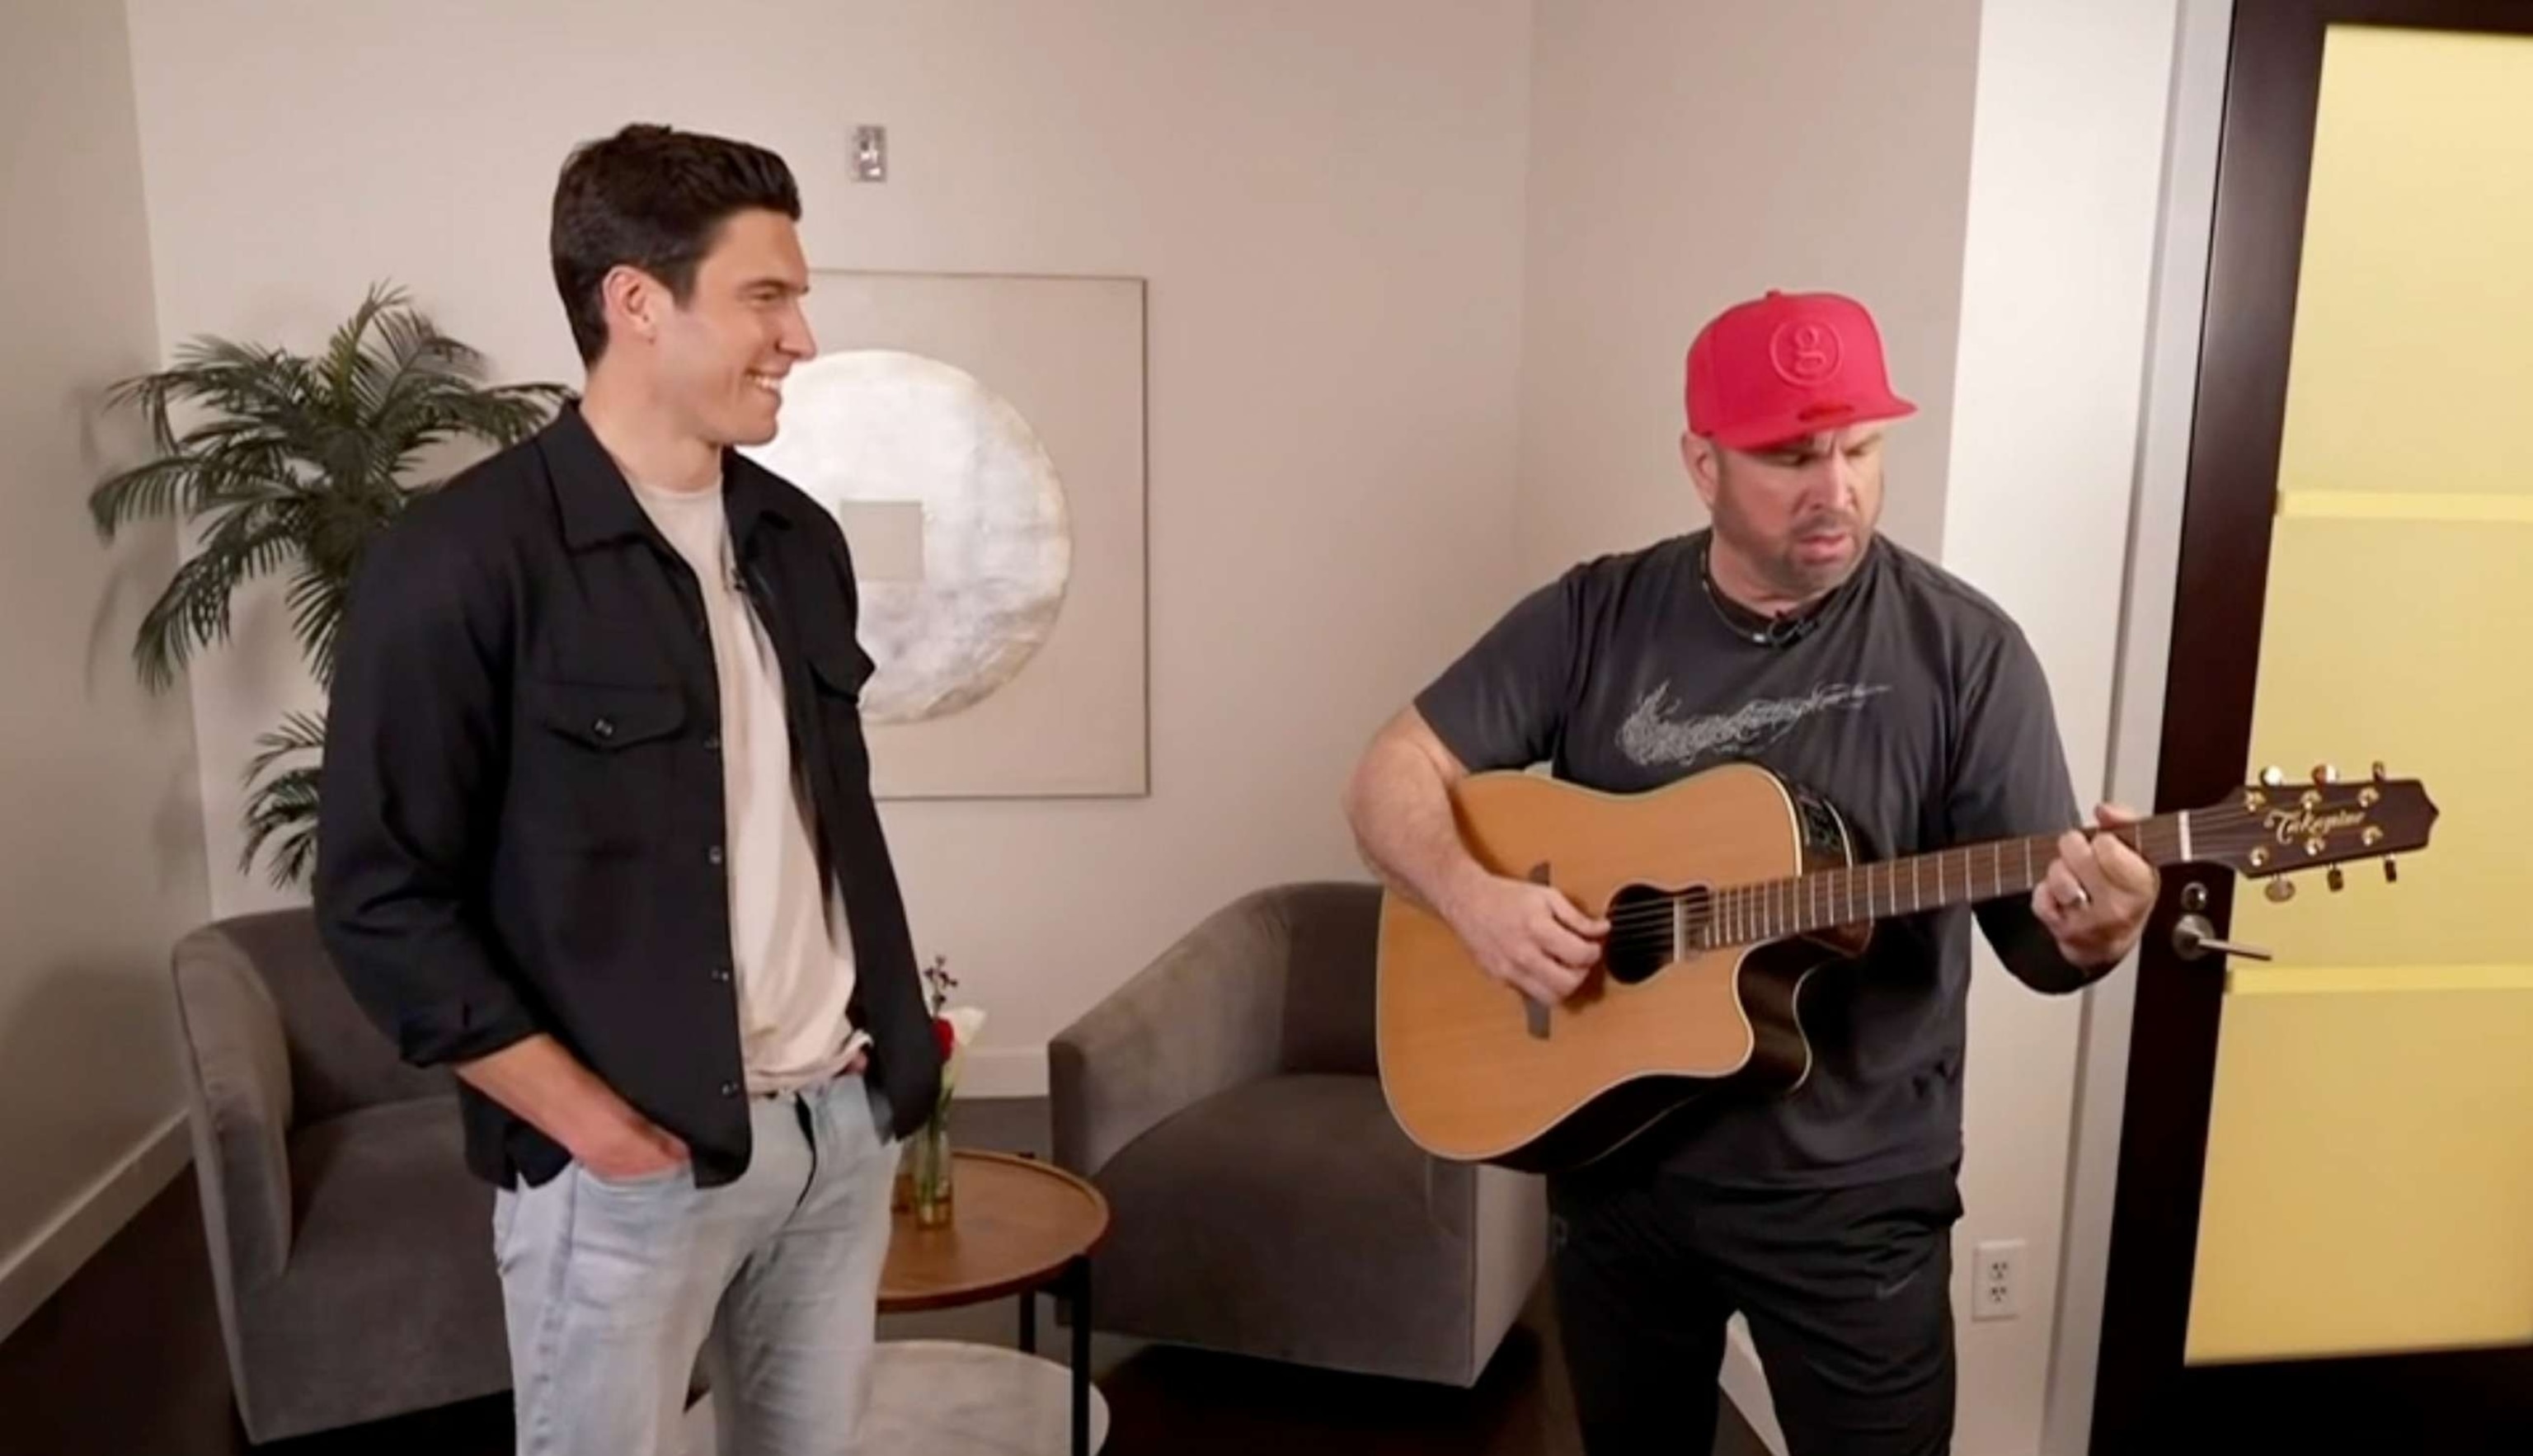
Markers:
point(506, 1214)
point(674, 1173)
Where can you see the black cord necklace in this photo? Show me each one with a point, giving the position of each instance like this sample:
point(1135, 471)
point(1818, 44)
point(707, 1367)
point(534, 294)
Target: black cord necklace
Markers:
point(1775, 632)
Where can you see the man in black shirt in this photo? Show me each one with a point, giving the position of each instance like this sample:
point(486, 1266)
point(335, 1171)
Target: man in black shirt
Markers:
point(597, 831)
point(1789, 634)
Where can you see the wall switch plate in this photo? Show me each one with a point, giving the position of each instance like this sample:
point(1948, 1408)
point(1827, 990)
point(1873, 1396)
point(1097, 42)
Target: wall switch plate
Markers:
point(871, 153)
point(1996, 1286)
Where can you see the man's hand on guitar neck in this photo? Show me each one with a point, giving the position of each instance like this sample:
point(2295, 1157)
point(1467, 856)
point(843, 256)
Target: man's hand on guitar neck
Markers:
point(1528, 936)
point(2096, 899)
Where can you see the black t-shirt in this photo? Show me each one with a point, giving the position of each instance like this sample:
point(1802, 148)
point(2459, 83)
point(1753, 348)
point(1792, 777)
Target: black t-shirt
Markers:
point(1909, 699)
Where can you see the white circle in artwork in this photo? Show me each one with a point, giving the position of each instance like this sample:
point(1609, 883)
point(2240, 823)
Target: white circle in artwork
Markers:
point(878, 426)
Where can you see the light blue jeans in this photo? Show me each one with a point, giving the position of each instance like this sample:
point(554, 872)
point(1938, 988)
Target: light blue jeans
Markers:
point(613, 1289)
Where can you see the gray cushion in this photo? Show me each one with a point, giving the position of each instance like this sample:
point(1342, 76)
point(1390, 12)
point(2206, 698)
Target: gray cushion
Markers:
point(1328, 936)
point(389, 1298)
point(339, 1060)
point(1290, 1218)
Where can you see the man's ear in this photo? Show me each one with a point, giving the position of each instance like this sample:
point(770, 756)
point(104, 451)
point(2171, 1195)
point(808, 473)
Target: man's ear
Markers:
point(634, 300)
point(1704, 466)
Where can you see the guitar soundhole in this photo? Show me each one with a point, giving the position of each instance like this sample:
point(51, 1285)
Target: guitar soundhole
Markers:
point(1650, 928)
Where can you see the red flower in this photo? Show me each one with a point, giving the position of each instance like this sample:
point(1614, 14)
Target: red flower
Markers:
point(942, 1033)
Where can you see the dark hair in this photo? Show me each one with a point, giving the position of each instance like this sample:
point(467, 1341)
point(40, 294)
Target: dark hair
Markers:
point(654, 197)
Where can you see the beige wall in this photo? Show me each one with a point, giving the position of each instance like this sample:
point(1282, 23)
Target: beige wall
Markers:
point(100, 846)
point(1334, 268)
point(1686, 155)
point(1982, 175)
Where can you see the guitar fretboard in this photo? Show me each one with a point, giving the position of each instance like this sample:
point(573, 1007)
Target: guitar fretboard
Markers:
point(1802, 904)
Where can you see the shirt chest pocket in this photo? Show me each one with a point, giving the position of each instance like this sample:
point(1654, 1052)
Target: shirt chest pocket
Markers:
point(597, 764)
point(839, 671)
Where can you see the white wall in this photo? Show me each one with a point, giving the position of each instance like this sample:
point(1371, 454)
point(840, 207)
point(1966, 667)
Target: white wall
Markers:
point(1686, 156)
point(2066, 186)
point(101, 845)
point(1985, 177)
point(1334, 273)
point(2196, 120)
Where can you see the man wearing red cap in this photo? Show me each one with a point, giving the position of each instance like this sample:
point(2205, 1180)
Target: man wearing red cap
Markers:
point(1787, 633)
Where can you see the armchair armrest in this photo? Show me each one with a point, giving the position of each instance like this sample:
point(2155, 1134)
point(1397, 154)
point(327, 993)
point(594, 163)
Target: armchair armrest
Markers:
point(237, 1074)
point(1205, 1017)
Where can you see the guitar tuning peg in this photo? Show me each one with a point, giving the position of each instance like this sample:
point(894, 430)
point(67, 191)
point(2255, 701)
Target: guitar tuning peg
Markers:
point(2273, 776)
point(2280, 890)
point(2391, 872)
point(2339, 881)
point(2323, 773)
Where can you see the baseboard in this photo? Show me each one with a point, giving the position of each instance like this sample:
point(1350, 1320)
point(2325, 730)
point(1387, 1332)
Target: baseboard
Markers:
point(35, 1270)
point(1004, 1071)
point(1746, 1386)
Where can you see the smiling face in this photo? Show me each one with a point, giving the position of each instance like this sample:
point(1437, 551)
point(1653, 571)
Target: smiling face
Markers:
point(718, 358)
point(1792, 519)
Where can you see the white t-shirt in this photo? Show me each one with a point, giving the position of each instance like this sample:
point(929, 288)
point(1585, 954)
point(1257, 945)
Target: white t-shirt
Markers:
point(793, 956)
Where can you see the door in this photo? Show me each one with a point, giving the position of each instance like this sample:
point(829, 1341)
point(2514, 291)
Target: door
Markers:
point(2323, 1236)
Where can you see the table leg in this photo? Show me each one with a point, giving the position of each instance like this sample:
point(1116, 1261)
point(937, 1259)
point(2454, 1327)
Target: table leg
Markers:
point(1028, 1321)
point(1078, 1277)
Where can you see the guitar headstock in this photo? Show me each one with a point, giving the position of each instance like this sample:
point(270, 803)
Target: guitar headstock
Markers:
point(2272, 828)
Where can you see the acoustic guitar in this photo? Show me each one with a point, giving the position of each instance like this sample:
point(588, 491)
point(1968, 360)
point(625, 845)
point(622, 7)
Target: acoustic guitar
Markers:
point(1723, 893)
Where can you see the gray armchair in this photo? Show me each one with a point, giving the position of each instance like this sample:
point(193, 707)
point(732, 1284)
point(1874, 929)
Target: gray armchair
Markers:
point(1227, 1102)
point(351, 1250)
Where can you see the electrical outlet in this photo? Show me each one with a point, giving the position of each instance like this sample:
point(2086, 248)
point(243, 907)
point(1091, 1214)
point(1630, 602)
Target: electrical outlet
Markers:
point(1996, 1286)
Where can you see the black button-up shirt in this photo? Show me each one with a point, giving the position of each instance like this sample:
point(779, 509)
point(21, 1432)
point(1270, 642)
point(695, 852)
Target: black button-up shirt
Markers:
point(521, 822)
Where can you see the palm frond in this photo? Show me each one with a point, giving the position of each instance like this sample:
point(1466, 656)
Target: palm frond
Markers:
point(291, 460)
point(315, 602)
point(187, 485)
point(193, 612)
point(347, 352)
point(300, 733)
point(281, 810)
point(294, 463)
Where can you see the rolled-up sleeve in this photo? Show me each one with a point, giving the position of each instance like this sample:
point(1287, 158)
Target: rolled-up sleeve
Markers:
point(408, 800)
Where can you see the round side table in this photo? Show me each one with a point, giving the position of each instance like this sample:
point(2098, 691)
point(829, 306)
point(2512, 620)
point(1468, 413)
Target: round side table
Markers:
point(1019, 1225)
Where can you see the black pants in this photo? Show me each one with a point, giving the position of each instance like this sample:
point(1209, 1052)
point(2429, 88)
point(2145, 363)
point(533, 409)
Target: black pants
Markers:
point(1848, 1293)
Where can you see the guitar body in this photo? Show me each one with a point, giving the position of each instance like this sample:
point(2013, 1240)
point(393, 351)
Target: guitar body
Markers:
point(1475, 1072)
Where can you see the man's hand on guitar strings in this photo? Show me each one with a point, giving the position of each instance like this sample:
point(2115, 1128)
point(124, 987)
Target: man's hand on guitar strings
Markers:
point(1529, 936)
point(2096, 895)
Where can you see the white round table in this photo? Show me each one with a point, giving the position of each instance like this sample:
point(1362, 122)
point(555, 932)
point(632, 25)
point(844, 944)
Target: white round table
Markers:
point(963, 1399)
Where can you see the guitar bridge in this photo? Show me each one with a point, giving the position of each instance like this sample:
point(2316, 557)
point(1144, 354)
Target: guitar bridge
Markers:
point(1535, 1012)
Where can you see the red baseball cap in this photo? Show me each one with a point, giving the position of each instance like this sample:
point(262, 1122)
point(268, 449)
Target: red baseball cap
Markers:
point(1785, 366)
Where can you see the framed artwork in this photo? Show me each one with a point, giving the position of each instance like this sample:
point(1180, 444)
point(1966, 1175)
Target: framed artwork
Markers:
point(982, 441)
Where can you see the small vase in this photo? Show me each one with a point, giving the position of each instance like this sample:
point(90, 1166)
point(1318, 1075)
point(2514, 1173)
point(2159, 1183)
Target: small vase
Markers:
point(928, 1173)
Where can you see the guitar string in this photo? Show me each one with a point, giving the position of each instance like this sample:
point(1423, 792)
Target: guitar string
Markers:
point(1763, 919)
point(1772, 899)
point(1783, 898)
point(1889, 871)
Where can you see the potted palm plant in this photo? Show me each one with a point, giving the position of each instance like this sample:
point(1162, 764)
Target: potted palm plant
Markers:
point(290, 464)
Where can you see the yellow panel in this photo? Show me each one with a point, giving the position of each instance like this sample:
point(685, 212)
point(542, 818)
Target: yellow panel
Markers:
point(2377, 645)
point(2369, 1163)
point(2411, 370)
point(2251, 979)
point(2371, 1188)
point(2414, 506)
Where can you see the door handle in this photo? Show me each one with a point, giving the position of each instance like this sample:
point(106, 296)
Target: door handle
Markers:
point(2193, 939)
